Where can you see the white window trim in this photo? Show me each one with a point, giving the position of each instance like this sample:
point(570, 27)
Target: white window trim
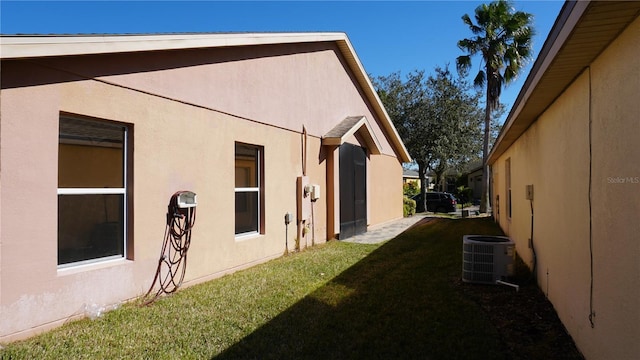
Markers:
point(248, 189)
point(256, 189)
point(92, 191)
point(106, 191)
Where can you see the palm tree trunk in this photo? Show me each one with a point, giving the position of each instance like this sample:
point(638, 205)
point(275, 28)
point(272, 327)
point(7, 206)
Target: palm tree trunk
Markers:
point(485, 152)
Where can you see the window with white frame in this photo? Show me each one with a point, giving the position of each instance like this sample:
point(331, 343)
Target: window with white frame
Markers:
point(248, 189)
point(92, 191)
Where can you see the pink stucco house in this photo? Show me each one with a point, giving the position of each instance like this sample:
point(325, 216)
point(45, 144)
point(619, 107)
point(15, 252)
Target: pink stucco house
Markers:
point(97, 133)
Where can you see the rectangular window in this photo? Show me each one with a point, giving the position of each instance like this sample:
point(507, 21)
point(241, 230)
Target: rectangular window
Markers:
point(248, 189)
point(92, 191)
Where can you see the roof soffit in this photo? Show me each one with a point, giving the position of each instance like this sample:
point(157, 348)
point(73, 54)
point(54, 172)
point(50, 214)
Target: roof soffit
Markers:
point(585, 32)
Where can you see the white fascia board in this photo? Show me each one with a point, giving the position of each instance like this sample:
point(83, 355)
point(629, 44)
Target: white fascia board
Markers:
point(546, 57)
point(350, 53)
point(13, 47)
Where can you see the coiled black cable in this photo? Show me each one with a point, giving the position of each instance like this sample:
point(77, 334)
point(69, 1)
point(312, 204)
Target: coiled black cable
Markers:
point(172, 264)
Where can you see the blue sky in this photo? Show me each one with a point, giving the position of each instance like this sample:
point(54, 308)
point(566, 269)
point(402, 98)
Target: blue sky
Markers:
point(388, 36)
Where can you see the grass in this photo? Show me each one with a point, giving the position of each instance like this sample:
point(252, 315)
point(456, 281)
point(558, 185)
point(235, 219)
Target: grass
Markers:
point(400, 299)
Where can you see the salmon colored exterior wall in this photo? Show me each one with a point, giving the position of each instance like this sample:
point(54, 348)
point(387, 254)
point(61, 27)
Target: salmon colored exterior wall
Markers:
point(584, 206)
point(385, 185)
point(186, 109)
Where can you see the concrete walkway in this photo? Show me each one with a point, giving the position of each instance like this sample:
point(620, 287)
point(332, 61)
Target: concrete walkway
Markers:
point(386, 231)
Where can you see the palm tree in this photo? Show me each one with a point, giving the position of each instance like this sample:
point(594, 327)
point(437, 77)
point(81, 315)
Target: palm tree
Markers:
point(502, 37)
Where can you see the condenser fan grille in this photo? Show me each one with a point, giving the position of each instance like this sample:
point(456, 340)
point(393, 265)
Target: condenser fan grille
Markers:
point(486, 259)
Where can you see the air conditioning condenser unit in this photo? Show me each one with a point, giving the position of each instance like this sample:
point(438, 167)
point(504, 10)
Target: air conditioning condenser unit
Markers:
point(487, 258)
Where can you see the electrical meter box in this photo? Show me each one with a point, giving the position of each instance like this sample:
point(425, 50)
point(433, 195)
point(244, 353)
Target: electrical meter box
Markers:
point(187, 199)
point(303, 198)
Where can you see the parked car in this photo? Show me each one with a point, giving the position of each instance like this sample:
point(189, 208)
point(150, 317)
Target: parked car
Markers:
point(436, 202)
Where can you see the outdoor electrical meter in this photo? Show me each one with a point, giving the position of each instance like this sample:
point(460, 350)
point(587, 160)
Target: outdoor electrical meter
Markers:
point(187, 199)
point(303, 198)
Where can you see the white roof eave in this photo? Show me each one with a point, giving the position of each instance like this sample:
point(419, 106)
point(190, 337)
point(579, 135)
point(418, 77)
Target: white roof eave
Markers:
point(43, 46)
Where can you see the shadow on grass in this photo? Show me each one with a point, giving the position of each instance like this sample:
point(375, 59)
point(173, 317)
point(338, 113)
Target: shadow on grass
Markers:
point(402, 301)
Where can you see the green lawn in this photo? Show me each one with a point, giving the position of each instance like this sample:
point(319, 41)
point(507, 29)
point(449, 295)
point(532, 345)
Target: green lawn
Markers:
point(400, 299)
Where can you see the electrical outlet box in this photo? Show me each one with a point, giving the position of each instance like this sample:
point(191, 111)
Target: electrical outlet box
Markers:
point(315, 192)
point(530, 192)
point(187, 199)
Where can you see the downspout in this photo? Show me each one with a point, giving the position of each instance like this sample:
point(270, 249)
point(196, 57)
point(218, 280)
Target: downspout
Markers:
point(304, 151)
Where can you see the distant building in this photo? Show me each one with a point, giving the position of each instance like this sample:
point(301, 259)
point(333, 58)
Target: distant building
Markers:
point(474, 179)
point(409, 176)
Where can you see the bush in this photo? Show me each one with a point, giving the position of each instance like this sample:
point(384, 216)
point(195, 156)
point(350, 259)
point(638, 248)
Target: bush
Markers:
point(464, 195)
point(408, 207)
point(411, 188)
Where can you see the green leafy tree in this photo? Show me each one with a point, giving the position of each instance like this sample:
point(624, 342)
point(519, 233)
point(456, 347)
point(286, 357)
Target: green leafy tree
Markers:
point(404, 99)
point(455, 120)
point(503, 39)
point(437, 117)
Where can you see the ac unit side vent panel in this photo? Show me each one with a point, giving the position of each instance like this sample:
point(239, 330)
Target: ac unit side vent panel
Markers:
point(486, 259)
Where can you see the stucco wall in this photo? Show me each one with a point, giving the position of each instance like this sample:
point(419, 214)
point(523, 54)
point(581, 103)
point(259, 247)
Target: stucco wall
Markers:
point(186, 116)
point(279, 85)
point(385, 189)
point(553, 156)
point(586, 202)
point(615, 85)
